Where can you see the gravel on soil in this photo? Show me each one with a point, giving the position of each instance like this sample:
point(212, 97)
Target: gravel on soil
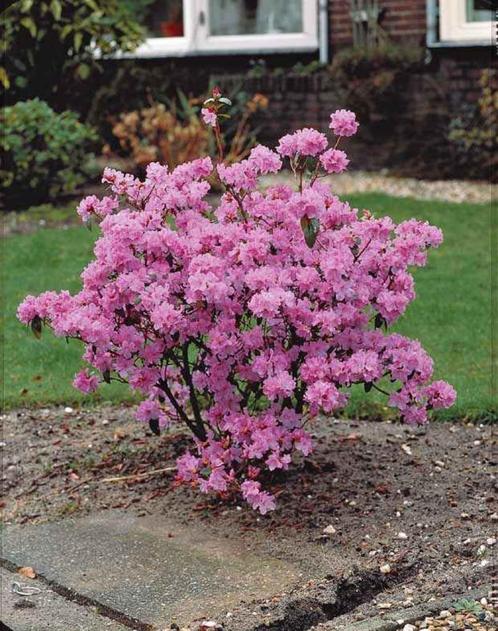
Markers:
point(457, 191)
point(414, 508)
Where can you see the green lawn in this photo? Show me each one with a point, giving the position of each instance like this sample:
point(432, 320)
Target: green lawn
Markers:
point(451, 316)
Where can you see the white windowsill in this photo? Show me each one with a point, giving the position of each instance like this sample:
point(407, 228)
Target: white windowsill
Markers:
point(455, 30)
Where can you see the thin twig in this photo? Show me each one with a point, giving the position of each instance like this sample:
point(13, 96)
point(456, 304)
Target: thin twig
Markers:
point(135, 476)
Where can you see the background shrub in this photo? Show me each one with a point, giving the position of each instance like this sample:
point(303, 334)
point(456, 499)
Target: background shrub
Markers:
point(474, 134)
point(47, 46)
point(172, 133)
point(373, 80)
point(44, 153)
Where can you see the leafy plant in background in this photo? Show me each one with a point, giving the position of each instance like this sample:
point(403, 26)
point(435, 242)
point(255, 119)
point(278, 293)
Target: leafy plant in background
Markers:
point(44, 153)
point(247, 321)
point(371, 79)
point(139, 9)
point(172, 133)
point(474, 135)
point(48, 46)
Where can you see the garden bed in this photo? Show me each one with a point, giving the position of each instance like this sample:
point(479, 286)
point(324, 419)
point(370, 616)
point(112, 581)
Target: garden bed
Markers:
point(414, 506)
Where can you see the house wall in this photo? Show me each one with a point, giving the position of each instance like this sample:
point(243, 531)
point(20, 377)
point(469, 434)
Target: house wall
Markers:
point(403, 20)
point(408, 133)
point(411, 137)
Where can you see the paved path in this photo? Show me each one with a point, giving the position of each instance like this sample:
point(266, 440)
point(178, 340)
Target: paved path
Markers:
point(149, 570)
point(46, 610)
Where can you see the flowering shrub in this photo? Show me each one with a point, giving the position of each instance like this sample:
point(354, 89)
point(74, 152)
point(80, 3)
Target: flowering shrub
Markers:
point(246, 321)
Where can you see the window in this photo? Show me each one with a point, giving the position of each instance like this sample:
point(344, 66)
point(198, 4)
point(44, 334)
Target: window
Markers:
point(466, 21)
point(182, 27)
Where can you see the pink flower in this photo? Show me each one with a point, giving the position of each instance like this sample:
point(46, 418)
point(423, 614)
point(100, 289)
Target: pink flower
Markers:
point(259, 500)
point(334, 161)
point(281, 384)
point(343, 123)
point(209, 116)
point(305, 142)
point(27, 310)
point(85, 382)
point(440, 394)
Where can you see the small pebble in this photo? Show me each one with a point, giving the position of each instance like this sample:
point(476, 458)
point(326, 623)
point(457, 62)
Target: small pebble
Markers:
point(402, 535)
point(329, 530)
point(385, 568)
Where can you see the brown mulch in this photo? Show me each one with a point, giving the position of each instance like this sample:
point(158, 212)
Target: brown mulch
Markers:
point(418, 501)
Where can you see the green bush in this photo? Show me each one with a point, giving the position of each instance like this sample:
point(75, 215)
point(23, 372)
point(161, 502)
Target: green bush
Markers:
point(47, 46)
point(44, 154)
point(373, 80)
point(473, 134)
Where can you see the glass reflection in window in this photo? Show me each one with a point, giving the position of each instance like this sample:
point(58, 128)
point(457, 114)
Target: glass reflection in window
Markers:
point(250, 17)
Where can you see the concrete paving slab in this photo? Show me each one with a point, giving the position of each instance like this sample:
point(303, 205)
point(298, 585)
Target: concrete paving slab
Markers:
point(46, 610)
point(149, 568)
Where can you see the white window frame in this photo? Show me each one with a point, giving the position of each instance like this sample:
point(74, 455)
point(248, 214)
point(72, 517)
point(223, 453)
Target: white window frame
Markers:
point(198, 41)
point(455, 28)
point(171, 46)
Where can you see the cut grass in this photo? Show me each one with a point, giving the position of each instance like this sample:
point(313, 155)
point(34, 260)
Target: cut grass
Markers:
point(39, 372)
point(451, 315)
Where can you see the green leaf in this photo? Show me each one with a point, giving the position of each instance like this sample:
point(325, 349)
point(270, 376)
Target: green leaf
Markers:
point(83, 71)
point(78, 39)
point(56, 9)
point(380, 321)
point(30, 25)
point(4, 78)
point(154, 426)
point(36, 327)
point(310, 228)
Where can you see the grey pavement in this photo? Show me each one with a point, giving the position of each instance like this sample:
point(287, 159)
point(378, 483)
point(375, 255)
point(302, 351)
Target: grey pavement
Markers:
point(148, 568)
point(46, 610)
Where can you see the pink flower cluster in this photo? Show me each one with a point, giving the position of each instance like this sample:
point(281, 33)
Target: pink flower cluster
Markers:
point(229, 321)
point(343, 123)
point(209, 116)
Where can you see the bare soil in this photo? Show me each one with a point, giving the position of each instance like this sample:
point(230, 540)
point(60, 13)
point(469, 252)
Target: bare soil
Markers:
point(413, 509)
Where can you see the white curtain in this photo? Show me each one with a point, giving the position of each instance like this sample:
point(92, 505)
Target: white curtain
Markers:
point(279, 16)
point(231, 17)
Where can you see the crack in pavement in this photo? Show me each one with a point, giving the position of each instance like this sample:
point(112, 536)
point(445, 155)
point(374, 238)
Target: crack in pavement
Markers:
point(331, 599)
point(85, 601)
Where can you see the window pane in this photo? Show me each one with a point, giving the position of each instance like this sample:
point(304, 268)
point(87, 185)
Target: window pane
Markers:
point(249, 17)
point(161, 18)
point(479, 10)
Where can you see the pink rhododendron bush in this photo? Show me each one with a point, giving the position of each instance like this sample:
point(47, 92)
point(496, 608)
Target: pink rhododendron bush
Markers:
point(247, 320)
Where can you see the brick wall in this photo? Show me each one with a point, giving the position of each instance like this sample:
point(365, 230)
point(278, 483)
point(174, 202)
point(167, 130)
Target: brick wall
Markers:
point(401, 19)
